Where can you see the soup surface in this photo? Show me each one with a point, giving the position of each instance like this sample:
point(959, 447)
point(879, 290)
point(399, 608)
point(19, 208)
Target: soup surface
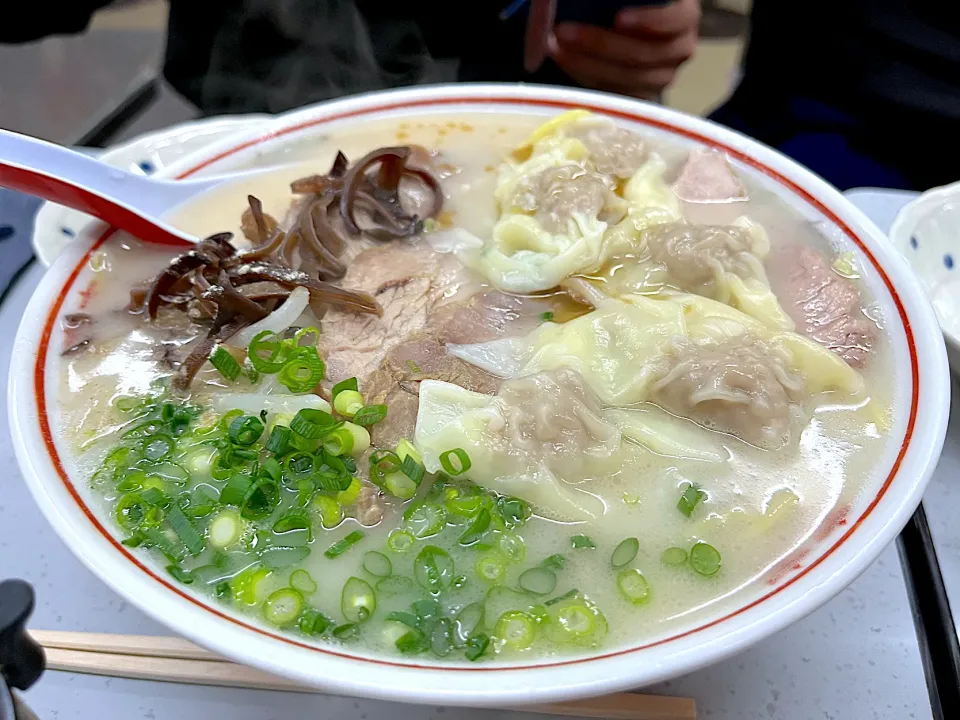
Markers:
point(499, 390)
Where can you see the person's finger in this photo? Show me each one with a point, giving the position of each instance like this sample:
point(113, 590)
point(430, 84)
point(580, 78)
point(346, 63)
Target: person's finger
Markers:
point(602, 74)
point(630, 51)
point(680, 16)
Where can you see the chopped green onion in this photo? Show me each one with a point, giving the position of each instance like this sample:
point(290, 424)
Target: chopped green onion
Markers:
point(157, 446)
point(382, 463)
point(338, 442)
point(298, 466)
point(441, 637)
point(347, 631)
point(581, 542)
point(226, 363)
point(625, 552)
point(433, 568)
point(476, 646)
point(424, 520)
point(516, 630)
point(307, 332)
point(546, 316)
point(279, 441)
point(692, 495)
point(674, 556)
point(575, 621)
point(247, 585)
point(301, 580)
point(344, 544)
point(538, 580)
point(361, 440)
point(260, 500)
point(272, 469)
point(222, 590)
point(468, 620)
point(468, 507)
point(512, 547)
point(329, 510)
point(312, 423)
point(476, 530)
point(412, 469)
point(514, 511)
point(491, 568)
point(277, 558)
point(294, 519)
point(412, 642)
point(129, 511)
point(303, 371)
point(163, 543)
point(633, 585)
point(236, 489)
point(395, 585)
point(406, 448)
point(560, 598)
point(555, 562)
point(377, 564)
point(348, 384)
point(348, 402)
point(180, 575)
point(405, 618)
point(351, 494)
point(461, 466)
point(313, 622)
point(705, 559)
point(283, 607)
point(370, 414)
point(245, 430)
point(185, 530)
point(400, 540)
point(357, 601)
point(268, 355)
point(330, 473)
point(426, 609)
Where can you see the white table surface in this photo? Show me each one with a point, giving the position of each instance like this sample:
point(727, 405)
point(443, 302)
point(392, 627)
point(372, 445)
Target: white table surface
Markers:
point(855, 658)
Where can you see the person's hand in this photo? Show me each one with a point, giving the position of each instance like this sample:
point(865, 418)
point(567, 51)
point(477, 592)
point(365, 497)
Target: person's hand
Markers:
point(639, 56)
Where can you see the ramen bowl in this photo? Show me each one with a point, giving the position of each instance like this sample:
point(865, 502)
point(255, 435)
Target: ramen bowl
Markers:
point(844, 543)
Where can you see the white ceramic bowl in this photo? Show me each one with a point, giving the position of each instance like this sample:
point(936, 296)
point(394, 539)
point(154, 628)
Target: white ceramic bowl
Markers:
point(926, 231)
point(838, 552)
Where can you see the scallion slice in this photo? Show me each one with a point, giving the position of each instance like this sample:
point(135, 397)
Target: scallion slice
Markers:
point(312, 423)
point(560, 598)
point(674, 556)
point(303, 371)
point(294, 519)
point(691, 497)
point(705, 559)
point(226, 529)
point(225, 363)
point(633, 585)
point(425, 519)
point(157, 446)
point(358, 600)
point(582, 542)
point(338, 442)
point(516, 630)
point(312, 335)
point(377, 564)
point(478, 527)
point(369, 415)
point(491, 568)
point(180, 575)
point(555, 562)
point(268, 353)
point(412, 469)
point(400, 540)
point(260, 500)
point(404, 618)
point(441, 637)
point(399, 485)
point(245, 430)
point(236, 489)
point(394, 585)
point(625, 552)
point(476, 646)
point(313, 622)
point(434, 569)
point(347, 631)
point(538, 580)
point(279, 441)
point(348, 384)
point(348, 402)
point(455, 462)
point(344, 544)
point(329, 510)
point(514, 511)
point(278, 557)
point(283, 607)
point(185, 530)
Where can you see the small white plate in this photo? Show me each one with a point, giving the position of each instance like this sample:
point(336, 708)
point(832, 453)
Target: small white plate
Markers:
point(926, 231)
point(56, 226)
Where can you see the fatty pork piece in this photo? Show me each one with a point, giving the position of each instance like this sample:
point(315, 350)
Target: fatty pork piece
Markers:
point(740, 386)
point(825, 306)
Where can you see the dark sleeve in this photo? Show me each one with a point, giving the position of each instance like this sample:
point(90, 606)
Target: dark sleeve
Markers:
point(35, 20)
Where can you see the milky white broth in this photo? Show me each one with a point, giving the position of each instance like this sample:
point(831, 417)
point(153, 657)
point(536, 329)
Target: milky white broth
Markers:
point(835, 459)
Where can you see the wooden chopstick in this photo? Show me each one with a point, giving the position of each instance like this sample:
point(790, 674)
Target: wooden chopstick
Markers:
point(170, 659)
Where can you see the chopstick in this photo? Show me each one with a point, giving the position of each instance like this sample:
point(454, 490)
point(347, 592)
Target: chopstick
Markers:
point(169, 659)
